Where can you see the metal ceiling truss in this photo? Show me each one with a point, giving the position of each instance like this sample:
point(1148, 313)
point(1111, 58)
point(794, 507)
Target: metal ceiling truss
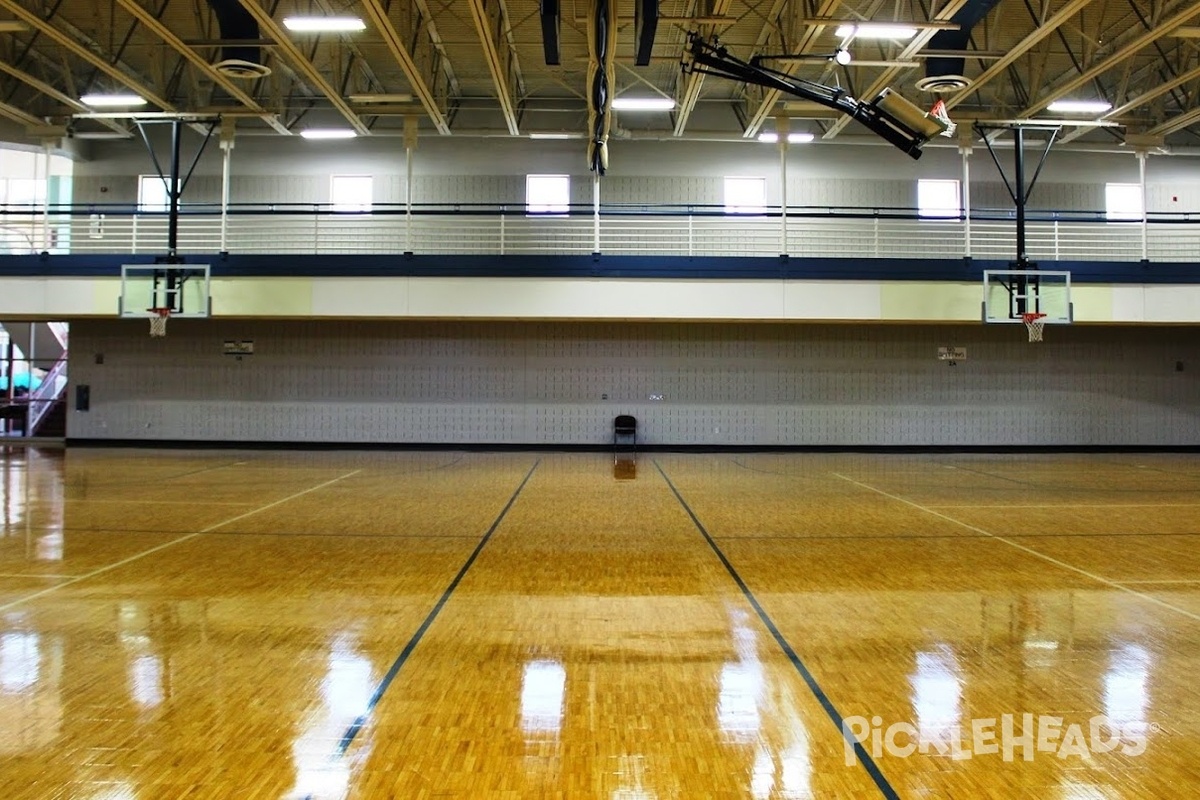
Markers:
point(69, 43)
point(491, 22)
point(889, 74)
point(312, 76)
point(202, 64)
point(419, 80)
point(689, 91)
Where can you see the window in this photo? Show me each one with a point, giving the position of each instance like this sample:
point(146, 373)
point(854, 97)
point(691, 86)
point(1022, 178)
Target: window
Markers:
point(547, 194)
point(351, 192)
point(152, 194)
point(1123, 201)
point(938, 199)
point(745, 195)
point(23, 193)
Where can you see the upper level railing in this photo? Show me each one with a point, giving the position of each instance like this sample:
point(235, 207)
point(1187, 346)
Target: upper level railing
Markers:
point(674, 230)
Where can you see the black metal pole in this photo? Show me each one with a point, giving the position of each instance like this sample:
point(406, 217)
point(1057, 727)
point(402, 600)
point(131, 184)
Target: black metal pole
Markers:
point(1022, 282)
point(173, 191)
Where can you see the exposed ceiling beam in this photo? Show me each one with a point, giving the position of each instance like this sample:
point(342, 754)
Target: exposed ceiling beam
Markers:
point(914, 45)
point(1175, 123)
point(489, 28)
point(1143, 99)
point(163, 32)
point(394, 43)
point(21, 116)
point(1124, 52)
point(931, 25)
point(1024, 46)
point(68, 43)
point(306, 68)
point(695, 81)
point(55, 94)
point(805, 44)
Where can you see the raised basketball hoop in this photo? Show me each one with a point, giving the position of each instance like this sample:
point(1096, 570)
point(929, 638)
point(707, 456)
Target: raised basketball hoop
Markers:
point(938, 112)
point(1035, 323)
point(158, 321)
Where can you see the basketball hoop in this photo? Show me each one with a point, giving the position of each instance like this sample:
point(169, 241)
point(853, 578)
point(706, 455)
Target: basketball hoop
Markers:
point(158, 321)
point(938, 112)
point(1035, 323)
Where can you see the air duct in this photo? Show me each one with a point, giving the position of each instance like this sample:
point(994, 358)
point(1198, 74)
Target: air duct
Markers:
point(645, 25)
point(947, 73)
point(551, 24)
point(243, 61)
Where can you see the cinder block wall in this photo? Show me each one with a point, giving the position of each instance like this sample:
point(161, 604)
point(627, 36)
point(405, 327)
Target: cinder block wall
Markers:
point(562, 383)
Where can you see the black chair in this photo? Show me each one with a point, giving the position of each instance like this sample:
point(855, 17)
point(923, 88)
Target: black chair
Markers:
point(625, 433)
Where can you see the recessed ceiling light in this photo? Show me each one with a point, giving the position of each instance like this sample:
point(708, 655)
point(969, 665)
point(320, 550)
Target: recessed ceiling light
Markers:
point(1079, 106)
point(323, 24)
point(112, 100)
point(799, 137)
point(875, 30)
point(643, 103)
point(328, 133)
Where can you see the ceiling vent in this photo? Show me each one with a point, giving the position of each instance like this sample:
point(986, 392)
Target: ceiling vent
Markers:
point(241, 61)
point(943, 83)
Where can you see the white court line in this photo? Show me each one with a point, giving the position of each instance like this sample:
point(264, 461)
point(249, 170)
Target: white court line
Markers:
point(34, 575)
point(171, 543)
point(128, 502)
point(1065, 505)
point(1023, 548)
point(1166, 581)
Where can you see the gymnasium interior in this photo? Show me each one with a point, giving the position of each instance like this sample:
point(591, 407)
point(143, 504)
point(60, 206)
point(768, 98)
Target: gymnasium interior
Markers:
point(614, 399)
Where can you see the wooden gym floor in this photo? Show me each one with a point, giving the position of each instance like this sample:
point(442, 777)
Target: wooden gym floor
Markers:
point(448, 625)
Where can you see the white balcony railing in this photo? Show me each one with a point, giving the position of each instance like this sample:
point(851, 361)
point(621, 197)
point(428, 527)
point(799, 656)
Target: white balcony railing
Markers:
point(651, 231)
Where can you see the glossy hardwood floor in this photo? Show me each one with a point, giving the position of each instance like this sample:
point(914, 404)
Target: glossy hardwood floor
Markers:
point(465, 625)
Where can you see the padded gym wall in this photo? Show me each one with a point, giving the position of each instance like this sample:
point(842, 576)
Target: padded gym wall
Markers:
point(562, 383)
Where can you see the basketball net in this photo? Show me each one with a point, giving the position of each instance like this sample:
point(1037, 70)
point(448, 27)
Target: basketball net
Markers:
point(938, 112)
point(158, 321)
point(1035, 323)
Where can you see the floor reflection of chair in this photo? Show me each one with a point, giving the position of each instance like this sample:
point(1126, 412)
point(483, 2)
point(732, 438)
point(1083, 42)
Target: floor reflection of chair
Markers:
point(625, 468)
point(625, 447)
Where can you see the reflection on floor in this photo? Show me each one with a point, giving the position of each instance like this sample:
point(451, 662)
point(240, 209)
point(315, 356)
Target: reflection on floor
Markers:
point(411, 625)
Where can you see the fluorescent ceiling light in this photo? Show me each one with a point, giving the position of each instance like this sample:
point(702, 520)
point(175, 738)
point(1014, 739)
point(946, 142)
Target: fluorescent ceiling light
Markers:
point(328, 133)
point(323, 24)
point(549, 136)
point(380, 98)
point(643, 103)
point(1079, 106)
point(112, 100)
point(875, 30)
point(800, 137)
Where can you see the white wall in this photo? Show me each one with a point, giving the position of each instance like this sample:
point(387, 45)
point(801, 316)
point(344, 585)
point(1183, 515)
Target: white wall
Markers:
point(562, 383)
point(490, 170)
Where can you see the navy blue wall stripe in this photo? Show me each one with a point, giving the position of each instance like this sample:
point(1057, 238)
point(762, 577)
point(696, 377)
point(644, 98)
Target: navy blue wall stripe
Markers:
point(377, 695)
point(864, 758)
point(597, 266)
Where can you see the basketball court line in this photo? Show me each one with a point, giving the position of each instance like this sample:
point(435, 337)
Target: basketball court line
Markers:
point(155, 502)
point(1064, 505)
point(864, 758)
point(171, 543)
point(1024, 549)
point(35, 575)
point(1166, 582)
point(361, 720)
point(959, 536)
point(205, 469)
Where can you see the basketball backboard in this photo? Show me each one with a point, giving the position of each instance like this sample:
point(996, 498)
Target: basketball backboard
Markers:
point(1010, 294)
point(181, 288)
